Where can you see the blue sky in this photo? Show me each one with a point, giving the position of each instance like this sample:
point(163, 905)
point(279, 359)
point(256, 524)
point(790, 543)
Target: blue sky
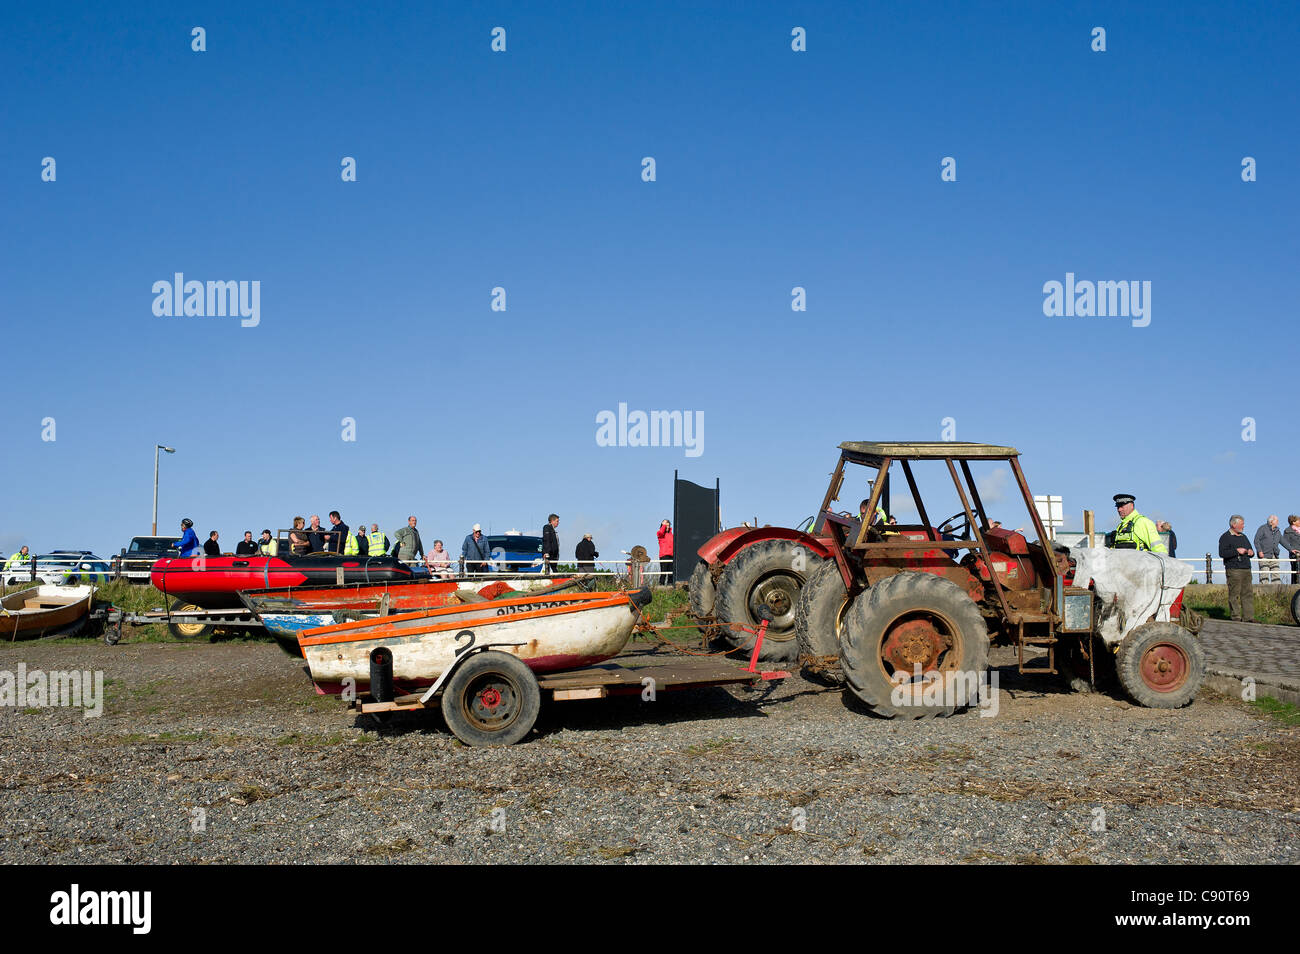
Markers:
point(522, 170)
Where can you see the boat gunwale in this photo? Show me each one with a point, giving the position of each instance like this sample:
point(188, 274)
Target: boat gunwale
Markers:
point(343, 632)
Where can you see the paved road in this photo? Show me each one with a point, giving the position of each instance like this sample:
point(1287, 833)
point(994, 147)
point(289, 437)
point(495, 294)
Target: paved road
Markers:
point(1269, 653)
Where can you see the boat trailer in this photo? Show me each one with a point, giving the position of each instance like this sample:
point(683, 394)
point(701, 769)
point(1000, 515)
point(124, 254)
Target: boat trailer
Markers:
point(489, 697)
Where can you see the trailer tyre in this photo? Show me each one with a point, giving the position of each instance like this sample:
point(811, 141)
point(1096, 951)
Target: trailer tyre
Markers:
point(1160, 665)
point(819, 622)
point(1295, 607)
point(702, 591)
point(491, 699)
point(768, 574)
point(186, 630)
point(912, 619)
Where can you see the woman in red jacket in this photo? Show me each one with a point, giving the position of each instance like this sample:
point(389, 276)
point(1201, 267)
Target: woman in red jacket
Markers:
point(665, 534)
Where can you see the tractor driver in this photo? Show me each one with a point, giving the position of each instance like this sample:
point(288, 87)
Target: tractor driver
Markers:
point(880, 516)
point(1135, 532)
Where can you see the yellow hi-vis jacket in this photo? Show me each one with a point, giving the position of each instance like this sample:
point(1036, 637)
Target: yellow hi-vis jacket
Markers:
point(376, 538)
point(1136, 532)
point(350, 547)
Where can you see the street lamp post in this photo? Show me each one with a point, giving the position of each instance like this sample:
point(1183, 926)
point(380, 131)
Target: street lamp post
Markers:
point(156, 449)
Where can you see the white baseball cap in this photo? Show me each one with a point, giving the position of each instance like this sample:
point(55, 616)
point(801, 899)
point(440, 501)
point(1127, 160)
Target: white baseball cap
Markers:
point(478, 528)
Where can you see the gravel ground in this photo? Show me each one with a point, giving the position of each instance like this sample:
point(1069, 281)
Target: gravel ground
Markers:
point(791, 773)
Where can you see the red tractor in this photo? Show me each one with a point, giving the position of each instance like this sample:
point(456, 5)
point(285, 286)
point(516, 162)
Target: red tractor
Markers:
point(894, 610)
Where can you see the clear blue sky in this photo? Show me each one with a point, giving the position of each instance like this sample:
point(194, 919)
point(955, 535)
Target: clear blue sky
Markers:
point(523, 170)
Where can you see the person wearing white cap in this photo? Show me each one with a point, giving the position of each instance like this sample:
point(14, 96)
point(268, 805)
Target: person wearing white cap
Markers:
point(475, 553)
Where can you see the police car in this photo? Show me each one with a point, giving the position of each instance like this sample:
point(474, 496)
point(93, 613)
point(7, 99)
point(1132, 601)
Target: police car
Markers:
point(514, 552)
point(60, 567)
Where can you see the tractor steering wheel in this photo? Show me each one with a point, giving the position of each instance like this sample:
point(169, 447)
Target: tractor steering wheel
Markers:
point(960, 531)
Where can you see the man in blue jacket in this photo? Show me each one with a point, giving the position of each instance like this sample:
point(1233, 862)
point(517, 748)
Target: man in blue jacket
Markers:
point(189, 542)
point(475, 552)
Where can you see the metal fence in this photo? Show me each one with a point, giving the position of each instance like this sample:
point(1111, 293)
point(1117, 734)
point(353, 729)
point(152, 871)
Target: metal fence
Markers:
point(635, 574)
point(1262, 570)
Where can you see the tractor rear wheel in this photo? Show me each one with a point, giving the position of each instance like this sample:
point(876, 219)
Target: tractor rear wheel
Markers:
point(768, 574)
point(1160, 665)
point(915, 646)
point(818, 622)
point(702, 591)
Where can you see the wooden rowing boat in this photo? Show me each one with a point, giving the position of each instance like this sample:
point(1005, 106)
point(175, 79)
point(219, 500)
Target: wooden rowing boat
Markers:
point(45, 611)
point(547, 633)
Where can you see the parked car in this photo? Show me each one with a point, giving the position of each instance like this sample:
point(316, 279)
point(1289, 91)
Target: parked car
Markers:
point(523, 554)
point(138, 559)
point(63, 566)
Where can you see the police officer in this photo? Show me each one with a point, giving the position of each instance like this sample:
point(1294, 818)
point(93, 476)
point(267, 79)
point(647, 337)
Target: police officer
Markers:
point(18, 559)
point(1135, 532)
point(358, 544)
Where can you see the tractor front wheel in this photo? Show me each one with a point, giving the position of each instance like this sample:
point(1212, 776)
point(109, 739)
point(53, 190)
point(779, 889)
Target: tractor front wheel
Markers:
point(1160, 665)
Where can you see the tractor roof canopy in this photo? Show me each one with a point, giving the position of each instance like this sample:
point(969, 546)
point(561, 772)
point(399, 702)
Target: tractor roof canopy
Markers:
point(873, 452)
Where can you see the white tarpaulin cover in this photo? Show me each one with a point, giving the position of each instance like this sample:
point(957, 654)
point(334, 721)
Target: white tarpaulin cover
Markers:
point(1133, 586)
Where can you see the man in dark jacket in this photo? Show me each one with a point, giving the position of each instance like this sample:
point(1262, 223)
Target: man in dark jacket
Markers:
point(550, 543)
point(1291, 545)
point(586, 554)
point(335, 540)
point(246, 546)
point(212, 548)
point(1235, 551)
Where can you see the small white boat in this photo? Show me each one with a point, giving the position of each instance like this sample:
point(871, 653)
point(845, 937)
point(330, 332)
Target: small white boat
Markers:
point(546, 633)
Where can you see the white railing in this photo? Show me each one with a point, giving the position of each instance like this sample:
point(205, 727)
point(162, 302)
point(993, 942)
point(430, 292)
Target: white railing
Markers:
point(1209, 569)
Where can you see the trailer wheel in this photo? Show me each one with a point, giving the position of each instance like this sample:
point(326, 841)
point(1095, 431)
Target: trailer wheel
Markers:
point(188, 630)
point(491, 699)
point(1295, 607)
point(702, 591)
point(912, 620)
point(768, 574)
point(1160, 665)
point(819, 622)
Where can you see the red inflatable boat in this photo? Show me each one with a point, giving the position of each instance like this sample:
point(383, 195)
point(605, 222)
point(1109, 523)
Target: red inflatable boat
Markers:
point(215, 582)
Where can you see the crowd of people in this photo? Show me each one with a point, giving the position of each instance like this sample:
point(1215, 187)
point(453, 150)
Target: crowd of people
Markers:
point(308, 536)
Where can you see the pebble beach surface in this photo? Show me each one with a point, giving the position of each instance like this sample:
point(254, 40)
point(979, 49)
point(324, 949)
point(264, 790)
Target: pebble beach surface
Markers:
point(222, 753)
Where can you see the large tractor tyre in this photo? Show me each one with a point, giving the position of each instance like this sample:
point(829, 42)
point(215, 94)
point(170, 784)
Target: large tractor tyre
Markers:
point(1160, 665)
point(187, 630)
point(818, 622)
point(491, 699)
point(1073, 666)
point(908, 620)
point(702, 591)
point(766, 574)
